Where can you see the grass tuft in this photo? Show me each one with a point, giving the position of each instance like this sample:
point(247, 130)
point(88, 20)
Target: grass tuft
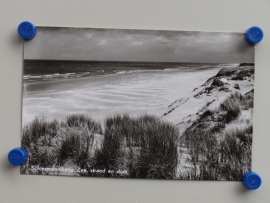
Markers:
point(145, 146)
point(81, 121)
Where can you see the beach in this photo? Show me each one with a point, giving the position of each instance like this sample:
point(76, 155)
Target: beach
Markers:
point(133, 93)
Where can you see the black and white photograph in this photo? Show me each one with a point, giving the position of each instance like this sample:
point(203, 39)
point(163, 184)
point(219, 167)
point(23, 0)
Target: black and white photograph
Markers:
point(151, 104)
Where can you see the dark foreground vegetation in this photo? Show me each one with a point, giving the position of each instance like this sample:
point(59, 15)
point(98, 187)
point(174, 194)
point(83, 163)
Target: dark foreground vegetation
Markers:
point(145, 146)
point(220, 153)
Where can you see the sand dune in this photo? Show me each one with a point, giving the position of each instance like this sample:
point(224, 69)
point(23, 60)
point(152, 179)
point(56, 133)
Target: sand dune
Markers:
point(184, 111)
point(202, 115)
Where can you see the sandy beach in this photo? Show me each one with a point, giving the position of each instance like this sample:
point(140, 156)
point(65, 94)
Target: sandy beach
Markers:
point(135, 93)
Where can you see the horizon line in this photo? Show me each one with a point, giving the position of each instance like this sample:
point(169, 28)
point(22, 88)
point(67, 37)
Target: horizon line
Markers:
point(99, 61)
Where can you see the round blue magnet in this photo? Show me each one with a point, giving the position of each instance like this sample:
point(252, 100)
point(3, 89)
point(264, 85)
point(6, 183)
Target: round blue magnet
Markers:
point(17, 156)
point(251, 180)
point(254, 35)
point(27, 30)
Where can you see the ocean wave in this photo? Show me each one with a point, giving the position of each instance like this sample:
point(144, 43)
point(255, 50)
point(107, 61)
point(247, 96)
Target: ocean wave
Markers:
point(55, 76)
point(129, 71)
point(171, 69)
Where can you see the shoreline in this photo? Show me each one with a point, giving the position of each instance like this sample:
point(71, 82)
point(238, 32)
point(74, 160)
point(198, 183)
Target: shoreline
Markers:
point(136, 93)
point(27, 78)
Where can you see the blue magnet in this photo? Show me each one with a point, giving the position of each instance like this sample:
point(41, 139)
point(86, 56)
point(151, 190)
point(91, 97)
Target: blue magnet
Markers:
point(27, 30)
point(17, 156)
point(251, 180)
point(254, 35)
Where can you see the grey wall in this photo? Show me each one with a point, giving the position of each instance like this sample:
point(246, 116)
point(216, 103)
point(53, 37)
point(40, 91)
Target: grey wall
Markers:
point(219, 15)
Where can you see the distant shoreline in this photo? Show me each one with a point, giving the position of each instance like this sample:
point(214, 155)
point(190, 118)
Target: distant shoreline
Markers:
point(47, 71)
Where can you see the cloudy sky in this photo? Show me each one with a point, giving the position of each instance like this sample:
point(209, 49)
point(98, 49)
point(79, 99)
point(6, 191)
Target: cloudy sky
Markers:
point(138, 45)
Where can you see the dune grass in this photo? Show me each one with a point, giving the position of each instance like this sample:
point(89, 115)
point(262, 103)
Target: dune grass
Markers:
point(82, 121)
point(220, 159)
point(220, 154)
point(38, 128)
point(75, 147)
point(53, 143)
point(236, 149)
point(144, 146)
point(232, 109)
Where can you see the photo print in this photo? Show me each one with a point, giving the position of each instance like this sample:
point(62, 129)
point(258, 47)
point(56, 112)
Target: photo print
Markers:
point(138, 104)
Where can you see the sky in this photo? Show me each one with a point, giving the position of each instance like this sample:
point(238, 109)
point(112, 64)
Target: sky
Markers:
point(90, 44)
